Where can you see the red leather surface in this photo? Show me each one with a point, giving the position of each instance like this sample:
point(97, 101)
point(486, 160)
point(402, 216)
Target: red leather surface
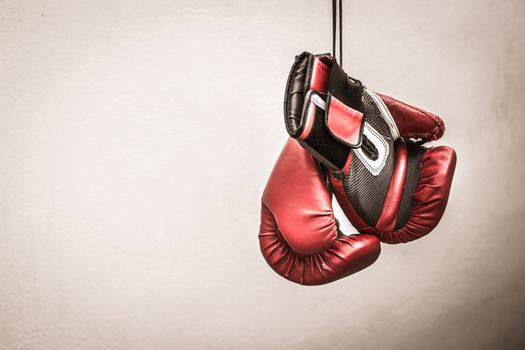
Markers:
point(309, 122)
point(430, 198)
point(298, 198)
point(298, 234)
point(413, 122)
point(344, 122)
point(320, 75)
point(387, 219)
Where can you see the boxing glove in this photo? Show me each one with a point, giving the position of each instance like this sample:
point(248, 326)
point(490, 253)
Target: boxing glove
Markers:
point(386, 182)
point(299, 236)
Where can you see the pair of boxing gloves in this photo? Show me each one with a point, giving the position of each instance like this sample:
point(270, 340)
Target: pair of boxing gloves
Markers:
point(364, 147)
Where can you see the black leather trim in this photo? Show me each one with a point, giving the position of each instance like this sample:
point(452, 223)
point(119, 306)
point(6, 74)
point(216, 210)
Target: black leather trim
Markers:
point(297, 85)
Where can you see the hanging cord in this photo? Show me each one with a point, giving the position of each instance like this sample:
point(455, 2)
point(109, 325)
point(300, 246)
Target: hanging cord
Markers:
point(334, 29)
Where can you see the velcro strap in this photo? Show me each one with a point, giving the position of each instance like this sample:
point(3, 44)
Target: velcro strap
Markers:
point(343, 122)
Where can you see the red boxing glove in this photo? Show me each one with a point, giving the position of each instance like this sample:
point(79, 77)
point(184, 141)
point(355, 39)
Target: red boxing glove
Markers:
point(386, 182)
point(299, 236)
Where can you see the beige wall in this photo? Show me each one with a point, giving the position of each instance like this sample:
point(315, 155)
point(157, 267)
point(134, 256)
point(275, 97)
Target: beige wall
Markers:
point(136, 138)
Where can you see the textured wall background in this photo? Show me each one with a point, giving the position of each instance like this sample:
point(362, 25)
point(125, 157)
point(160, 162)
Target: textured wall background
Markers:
point(136, 138)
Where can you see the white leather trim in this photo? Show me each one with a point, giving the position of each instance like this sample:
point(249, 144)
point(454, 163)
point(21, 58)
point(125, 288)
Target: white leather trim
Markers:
point(385, 113)
point(318, 101)
point(374, 166)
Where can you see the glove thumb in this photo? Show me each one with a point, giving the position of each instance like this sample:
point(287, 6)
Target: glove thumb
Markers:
point(413, 122)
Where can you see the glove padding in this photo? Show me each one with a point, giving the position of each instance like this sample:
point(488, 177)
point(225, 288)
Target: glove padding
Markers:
point(386, 182)
point(299, 235)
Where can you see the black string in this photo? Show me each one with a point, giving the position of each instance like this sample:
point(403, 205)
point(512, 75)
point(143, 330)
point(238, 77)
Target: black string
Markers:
point(341, 32)
point(334, 29)
point(334, 21)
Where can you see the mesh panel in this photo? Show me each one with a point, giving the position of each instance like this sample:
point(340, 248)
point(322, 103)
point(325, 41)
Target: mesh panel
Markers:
point(414, 154)
point(367, 192)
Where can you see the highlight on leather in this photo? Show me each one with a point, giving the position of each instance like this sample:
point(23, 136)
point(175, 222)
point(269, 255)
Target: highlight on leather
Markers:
point(299, 236)
point(387, 219)
point(294, 97)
